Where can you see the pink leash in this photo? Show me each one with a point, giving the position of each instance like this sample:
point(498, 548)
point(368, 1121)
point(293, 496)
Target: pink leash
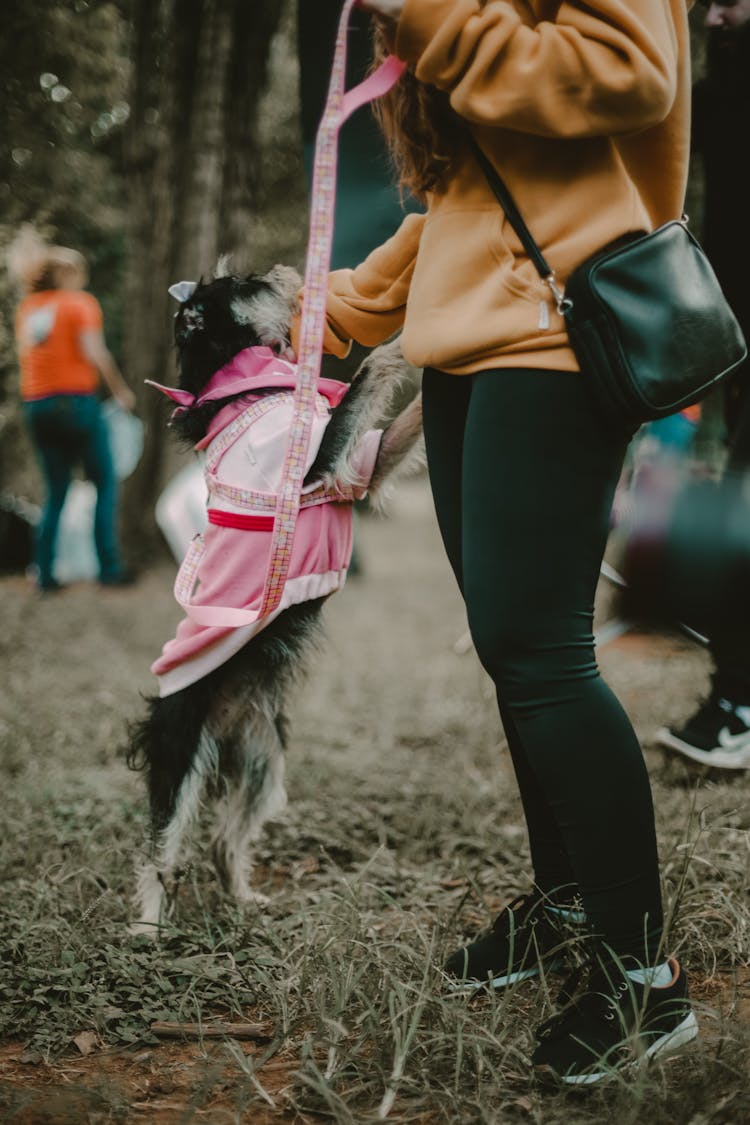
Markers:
point(340, 105)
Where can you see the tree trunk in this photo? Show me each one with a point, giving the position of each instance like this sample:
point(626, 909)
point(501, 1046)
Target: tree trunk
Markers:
point(192, 166)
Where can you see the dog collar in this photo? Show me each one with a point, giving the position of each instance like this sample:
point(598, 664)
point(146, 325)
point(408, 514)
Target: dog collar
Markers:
point(253, 369)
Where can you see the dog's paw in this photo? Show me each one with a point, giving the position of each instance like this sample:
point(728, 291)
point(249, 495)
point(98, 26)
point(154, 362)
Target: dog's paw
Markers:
point(248, 897)
point(138, 929)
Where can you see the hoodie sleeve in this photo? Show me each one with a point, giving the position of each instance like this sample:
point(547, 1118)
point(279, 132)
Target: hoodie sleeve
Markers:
point(368, 304)
point(601, 68)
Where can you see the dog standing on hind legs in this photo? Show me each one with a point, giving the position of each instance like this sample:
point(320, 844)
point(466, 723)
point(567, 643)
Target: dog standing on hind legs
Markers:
point(216, 733)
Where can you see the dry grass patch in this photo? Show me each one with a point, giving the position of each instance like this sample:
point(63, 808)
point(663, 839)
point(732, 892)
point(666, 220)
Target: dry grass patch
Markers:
point(402, 837)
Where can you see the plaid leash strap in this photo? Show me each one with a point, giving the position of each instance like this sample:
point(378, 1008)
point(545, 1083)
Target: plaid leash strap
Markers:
point(339, 106)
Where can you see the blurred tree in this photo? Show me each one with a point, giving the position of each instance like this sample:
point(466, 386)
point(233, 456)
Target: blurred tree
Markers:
point(199, 68)
point(65, 72)
point(130, 131)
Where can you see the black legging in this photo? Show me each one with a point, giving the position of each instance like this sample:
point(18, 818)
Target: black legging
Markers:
point(523, 476)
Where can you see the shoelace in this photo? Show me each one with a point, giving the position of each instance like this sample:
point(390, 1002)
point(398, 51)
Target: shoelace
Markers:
point(521, 904)
point(603, 990)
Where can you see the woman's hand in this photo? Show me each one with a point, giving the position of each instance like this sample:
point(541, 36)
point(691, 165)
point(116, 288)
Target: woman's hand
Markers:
point(124, 397)
point(388, 9)
point(96, 352)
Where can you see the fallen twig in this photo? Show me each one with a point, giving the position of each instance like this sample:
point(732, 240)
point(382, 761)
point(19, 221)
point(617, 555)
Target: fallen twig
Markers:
point(257, 1031)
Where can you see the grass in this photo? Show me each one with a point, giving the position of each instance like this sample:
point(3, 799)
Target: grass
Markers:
point(402, 837)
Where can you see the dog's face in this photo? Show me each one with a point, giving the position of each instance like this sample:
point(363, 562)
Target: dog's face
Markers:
point(221, 317)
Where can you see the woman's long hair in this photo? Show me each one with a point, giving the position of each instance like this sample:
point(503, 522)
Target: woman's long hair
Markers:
point(421, 130)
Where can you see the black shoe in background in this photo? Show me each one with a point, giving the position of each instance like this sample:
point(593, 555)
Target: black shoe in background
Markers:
point(717, 735)
point(122, 578)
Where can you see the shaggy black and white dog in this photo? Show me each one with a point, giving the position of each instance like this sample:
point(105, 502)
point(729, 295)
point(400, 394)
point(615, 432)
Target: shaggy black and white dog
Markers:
point(223, 736)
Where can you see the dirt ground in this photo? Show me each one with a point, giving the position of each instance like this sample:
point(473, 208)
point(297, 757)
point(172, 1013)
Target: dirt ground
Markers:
point(74, 666)
point(161, 1085)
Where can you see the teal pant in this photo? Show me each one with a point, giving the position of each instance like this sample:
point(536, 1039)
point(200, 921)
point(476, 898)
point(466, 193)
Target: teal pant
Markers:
point(69, 430)
point(523, 474)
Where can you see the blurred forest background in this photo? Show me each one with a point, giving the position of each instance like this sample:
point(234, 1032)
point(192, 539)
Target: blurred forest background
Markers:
point(152, 135)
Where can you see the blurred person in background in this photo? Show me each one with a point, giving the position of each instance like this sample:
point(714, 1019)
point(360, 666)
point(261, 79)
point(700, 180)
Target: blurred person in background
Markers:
point(718, 732)
point(585, 112)
point(62, 355)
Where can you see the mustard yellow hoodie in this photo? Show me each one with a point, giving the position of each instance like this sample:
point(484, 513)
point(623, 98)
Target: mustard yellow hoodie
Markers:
point(584, 110)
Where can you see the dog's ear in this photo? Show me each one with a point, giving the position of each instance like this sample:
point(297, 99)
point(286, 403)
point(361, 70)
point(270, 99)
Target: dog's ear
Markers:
point(287, 282)
point(222, 268)
point(265, 315)
point(269, 307)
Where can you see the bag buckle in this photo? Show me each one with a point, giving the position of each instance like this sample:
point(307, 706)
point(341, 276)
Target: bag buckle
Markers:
point(563, 303)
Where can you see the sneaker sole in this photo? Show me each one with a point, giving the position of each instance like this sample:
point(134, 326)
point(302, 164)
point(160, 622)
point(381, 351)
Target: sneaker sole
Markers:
point(524, 974)
point(459, 986)
point(668, 1045)
point(719, 758)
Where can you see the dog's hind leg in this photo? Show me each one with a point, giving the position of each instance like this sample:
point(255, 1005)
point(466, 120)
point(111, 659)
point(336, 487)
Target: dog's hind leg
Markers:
point(255, 795)
point(248, 724)
point(155, 883)
point(176, 784)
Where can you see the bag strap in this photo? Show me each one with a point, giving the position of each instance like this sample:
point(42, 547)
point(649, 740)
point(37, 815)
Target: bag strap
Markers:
point(502, 193)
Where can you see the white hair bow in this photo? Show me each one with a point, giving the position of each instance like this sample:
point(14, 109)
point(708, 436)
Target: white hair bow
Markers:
point(183, 290)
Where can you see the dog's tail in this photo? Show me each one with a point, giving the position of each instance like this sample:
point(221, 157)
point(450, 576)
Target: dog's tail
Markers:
point(166, 720)
point(165, 744)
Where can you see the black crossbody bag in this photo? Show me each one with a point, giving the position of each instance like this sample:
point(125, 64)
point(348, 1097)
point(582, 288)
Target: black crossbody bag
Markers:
point(646, 316)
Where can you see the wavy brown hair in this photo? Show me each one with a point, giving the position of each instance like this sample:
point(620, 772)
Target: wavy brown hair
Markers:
point(421, 130)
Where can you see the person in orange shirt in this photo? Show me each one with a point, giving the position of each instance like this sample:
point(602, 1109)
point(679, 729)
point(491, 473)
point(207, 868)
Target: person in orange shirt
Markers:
point(584, 110)
point(62, 355)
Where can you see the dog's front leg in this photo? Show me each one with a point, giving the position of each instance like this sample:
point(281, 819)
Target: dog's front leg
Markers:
point(368, 401)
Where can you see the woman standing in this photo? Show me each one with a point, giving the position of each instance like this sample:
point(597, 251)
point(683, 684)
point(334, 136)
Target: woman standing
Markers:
point(584, 110)
point(62, 353)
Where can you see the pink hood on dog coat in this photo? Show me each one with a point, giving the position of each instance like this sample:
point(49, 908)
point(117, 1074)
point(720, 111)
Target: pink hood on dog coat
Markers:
point(244, 451)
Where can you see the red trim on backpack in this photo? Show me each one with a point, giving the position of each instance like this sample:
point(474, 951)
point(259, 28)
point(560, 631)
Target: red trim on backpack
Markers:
point(236, 519)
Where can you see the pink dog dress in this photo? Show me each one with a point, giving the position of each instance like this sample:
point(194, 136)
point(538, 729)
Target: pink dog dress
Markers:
point(225, 567)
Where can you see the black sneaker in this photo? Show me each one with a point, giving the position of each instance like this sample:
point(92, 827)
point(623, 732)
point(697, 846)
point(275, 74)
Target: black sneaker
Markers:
point(120, 578)
point(615, 1024)
point(521, 941)
point(718, 734)
point(51, 586)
